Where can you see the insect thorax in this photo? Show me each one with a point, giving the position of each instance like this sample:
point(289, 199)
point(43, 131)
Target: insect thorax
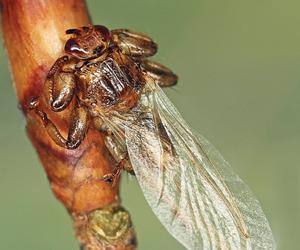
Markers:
point(113, 83)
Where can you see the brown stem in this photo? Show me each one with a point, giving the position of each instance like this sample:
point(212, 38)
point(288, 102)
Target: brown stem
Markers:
point(34, 37)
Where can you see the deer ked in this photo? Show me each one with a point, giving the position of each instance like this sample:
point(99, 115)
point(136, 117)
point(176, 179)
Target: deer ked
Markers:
point(104, 71)
point(189, 186)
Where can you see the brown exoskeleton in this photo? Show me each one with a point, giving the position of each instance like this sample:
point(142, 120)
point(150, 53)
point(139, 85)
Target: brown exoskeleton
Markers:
point(187, 183)
point(105, 71)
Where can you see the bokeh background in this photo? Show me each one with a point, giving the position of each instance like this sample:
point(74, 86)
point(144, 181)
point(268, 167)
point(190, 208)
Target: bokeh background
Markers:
point(239, 68)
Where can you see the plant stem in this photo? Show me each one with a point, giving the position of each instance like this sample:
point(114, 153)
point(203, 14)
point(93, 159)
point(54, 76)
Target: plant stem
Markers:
point(34, 35)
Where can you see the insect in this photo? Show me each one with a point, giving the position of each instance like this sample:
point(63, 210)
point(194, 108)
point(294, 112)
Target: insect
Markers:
point(187, 183)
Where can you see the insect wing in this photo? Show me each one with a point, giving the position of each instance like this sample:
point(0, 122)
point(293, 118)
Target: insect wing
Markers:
point(188, 184)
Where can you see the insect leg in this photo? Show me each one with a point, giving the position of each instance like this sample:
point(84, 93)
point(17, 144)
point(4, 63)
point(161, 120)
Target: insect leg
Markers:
point(77, 131)
point(60, 83)
point(62, 91)
point(101, 127)
point(163, 76)
point(78, 128)
point(115, 175)
point(120, 155)
point(133, 43)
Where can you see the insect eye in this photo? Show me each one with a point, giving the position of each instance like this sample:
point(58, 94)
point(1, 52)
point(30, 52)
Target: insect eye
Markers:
point(73, 47)
point(103, 31)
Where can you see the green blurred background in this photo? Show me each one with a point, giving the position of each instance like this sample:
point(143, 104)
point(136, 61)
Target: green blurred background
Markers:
point(239, 68)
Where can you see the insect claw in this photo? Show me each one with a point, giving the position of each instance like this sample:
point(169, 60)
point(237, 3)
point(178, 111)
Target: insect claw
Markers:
point(109, 178)
point(73, 144)
point(33, 103)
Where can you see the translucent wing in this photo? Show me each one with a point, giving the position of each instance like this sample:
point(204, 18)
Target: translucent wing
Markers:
point(188, 184)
